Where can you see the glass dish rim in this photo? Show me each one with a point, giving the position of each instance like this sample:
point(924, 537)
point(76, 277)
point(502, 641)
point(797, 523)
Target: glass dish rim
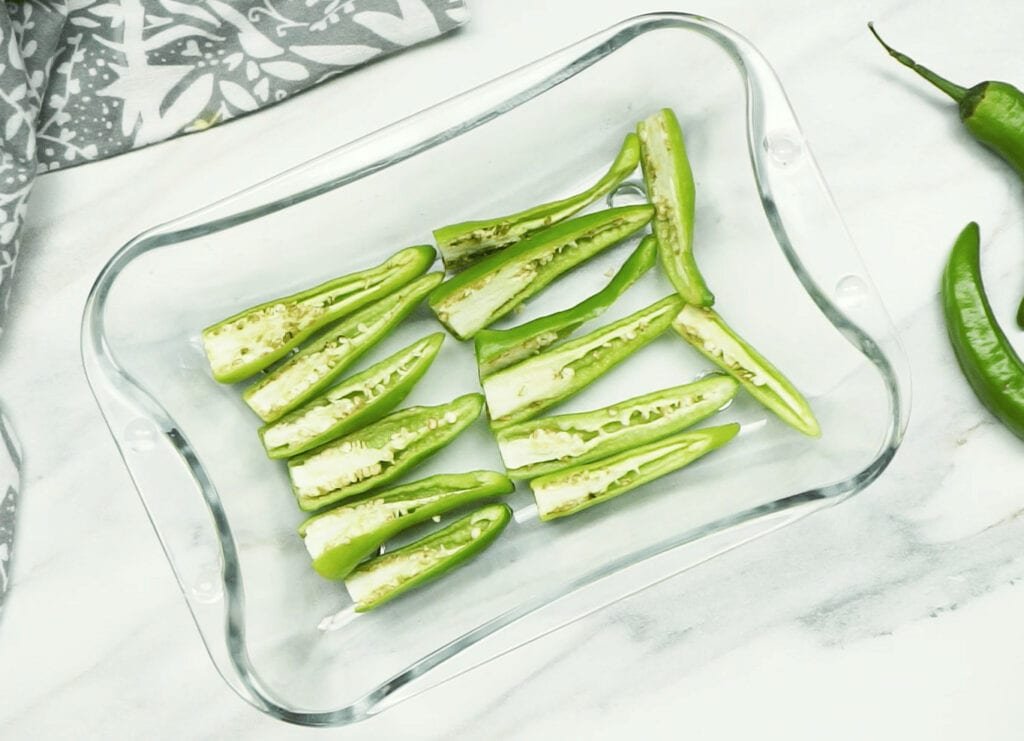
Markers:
point(105, 375)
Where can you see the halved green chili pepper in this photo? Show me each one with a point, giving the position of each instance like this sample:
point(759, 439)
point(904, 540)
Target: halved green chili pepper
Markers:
point(497, 284)
point(670, 189)
point(500, 348)
point(353, 403)
point(527, 388)
point(378, 454)
point(254, 339)
point(987, 359)
point(581, 487)
point(340, 538)
point(465, 243)
point(541, 446)
point(708, 332)
point(315, 367)
point(385, 577)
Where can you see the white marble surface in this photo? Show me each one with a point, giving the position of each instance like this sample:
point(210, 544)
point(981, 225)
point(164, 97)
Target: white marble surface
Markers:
point(895, 615)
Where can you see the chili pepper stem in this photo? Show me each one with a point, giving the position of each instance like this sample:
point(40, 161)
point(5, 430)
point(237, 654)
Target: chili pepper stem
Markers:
point(954, 91)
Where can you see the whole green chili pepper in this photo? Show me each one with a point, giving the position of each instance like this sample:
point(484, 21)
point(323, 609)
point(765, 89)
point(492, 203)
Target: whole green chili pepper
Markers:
point(353, 403)
point(525, 389)
point(581, 487)
point(670, 189)
point(314, 368)
point(992, 111)
point(386, 577)
point(987, 359)
point(465, 243)
point(254, 339)
point(500, 348)
point(497, 284)
point(378, 454)
point(541, 446)
point(708, 332)
point(340, 538)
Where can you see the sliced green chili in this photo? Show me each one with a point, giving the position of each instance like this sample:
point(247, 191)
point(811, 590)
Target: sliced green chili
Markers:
point(541, 446)
point(314, 368)
point(253, 339)
point(378, 454)
point(987, 359)
point(497, 284)
point(670, 189)
point(581, 487)
point(353, 403)
point(527, 388)
point(500, 348)
point(340, 538)
point(465, 243)
point(386, 577)
point(708, 332)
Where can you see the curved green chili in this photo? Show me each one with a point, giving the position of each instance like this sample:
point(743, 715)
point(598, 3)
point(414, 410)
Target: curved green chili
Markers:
point(525, 389)
point(353, 403)
point(378, 454)
point(540, 446)
point(578, 488)
point(496, 285)
point(465, 243)
point(340, 538)
point(386, 577)
point(307, 373)
point(500, 348)
point(254, 339)
point(987, 359)
point(670, 189)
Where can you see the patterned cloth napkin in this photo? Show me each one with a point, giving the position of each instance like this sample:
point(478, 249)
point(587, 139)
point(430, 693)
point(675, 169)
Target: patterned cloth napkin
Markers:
point(81, 80)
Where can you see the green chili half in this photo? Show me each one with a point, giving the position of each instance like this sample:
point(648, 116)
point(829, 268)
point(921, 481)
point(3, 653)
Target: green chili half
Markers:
point(670, 189)
point(353, 403)
point(541, 446)
point(465, 243)
point(708, 332)
point(987, 359)
point(378, 454)
point(253, 339)
point(500, 348)
point(497, 284)
point(581, 487)
point(531, 386)
point(340, 538)
point(310, 371)
point(386, 577)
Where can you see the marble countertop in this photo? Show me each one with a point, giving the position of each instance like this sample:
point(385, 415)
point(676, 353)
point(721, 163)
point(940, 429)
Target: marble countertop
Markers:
point(894, 615)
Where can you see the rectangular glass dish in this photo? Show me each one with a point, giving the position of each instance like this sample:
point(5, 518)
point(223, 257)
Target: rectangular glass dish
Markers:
point(769, 241)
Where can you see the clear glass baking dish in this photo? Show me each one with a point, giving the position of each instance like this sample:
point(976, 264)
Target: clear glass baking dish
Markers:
point(771, 244)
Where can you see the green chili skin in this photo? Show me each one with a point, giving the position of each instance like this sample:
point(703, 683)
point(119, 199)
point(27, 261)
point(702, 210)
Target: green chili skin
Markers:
point(314, 368)
point(463, 244)
point(493, 287)
point(542, 446)
point(500, 348)
point(353, 403)
point(527, 388)
point(987, 359)
point(578, 488)
point(254, 339)
point(378, 454)
point(671, 190)
point(992, 111)
point(340, 538)
point(705, 330)
point(386, 577)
